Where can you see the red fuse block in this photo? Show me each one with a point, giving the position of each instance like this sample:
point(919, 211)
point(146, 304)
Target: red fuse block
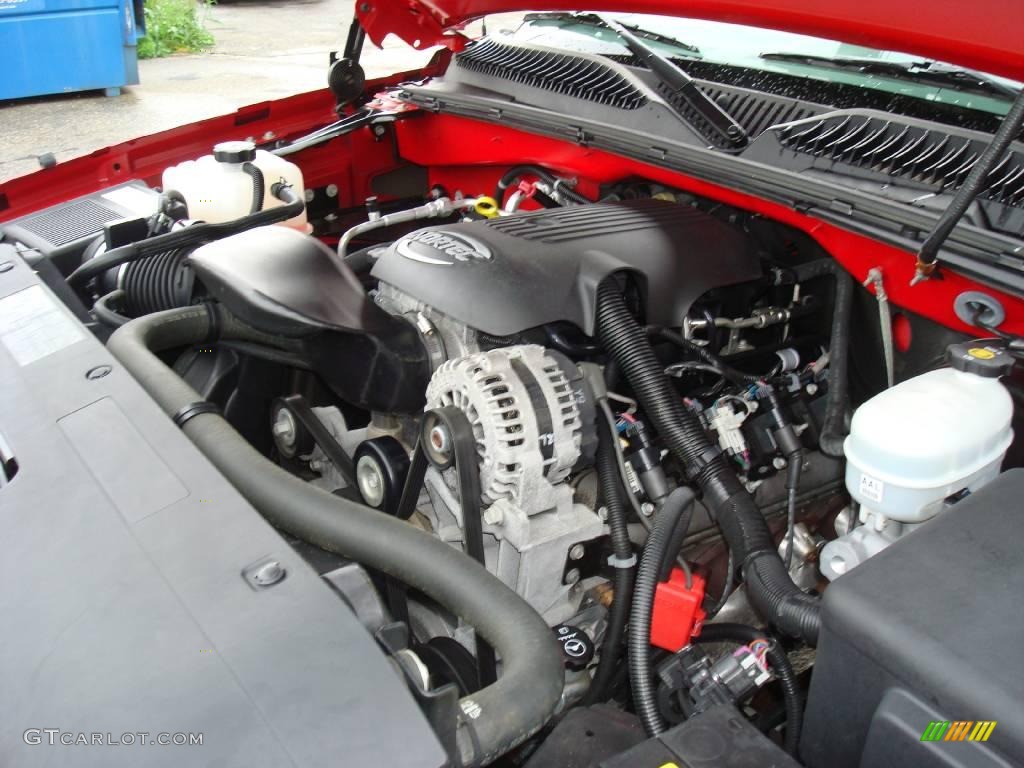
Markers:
point(677, 613)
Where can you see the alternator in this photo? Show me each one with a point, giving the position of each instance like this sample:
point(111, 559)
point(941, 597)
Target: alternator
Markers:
point(531, 416)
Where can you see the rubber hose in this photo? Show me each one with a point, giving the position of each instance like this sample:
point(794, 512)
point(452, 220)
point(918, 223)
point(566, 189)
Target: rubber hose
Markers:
point(191, 236)
point(833, 428)
point(108, 315)
point(544, 175)
point(771, 590)
point(675, 546)
point(505, 713)
point(736, 377)
point(256, 175)
point(791, 696)
point(612, 495)
point(641, 676)
point(558, 340)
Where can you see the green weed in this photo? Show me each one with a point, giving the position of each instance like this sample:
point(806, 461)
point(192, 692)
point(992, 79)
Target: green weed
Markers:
point(175, 26)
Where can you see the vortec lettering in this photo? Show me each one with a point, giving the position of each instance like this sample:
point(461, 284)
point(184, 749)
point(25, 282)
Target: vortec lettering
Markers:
point(442, 244)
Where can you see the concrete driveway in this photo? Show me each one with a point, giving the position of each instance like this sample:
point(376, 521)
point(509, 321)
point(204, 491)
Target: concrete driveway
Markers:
point(265, 49)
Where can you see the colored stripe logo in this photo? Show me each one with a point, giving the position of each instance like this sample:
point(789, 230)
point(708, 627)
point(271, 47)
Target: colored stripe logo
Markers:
point(959, 730)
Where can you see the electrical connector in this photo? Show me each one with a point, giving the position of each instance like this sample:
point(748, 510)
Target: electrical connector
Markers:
point(726, 422)
point(691, 682)
point(677, 616)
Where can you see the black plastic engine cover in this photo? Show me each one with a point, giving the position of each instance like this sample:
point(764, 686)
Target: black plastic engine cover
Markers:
point(287, 284)
point(505, 275)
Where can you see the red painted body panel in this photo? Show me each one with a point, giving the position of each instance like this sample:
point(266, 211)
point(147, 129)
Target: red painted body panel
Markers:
point(985, 34)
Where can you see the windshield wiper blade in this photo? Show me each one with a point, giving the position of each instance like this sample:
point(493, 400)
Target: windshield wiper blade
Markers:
point(920, 72)
point(689, 102)
point(592, 19)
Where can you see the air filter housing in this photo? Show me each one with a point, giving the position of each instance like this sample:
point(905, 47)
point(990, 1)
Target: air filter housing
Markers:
point(62, 232)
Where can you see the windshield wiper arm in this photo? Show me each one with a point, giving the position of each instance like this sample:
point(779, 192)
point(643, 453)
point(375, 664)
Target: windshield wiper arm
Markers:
point(689, 102)
point(921, 72)
point(592, 19)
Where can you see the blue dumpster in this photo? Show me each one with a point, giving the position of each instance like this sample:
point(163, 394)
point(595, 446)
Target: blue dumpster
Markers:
point(58, 46)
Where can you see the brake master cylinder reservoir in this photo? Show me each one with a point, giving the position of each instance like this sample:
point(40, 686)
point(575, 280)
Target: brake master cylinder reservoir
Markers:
point(918, 446)
point(220, 187)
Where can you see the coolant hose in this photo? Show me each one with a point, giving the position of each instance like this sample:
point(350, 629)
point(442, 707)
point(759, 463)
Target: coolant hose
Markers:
point(833, 428)
point(500, 716)
point(771, 590)
point(622, 553)
point(641, 676)
point(192, 236)
point(792, 698)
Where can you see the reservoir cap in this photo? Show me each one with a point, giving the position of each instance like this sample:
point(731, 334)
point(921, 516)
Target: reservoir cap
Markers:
point(981, 358)
point(234, 152)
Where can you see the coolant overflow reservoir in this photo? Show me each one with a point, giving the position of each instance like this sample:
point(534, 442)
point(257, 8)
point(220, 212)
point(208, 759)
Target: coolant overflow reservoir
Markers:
point(220, 187)
point(917, 444)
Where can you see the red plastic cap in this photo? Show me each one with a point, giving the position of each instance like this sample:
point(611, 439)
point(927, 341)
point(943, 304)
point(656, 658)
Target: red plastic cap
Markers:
point(677, 613)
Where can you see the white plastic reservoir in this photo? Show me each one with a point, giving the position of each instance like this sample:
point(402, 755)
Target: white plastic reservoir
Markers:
point(218, 187)
point(913, 446)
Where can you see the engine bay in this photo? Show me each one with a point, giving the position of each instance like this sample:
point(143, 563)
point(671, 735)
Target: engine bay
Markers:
point(655, 427)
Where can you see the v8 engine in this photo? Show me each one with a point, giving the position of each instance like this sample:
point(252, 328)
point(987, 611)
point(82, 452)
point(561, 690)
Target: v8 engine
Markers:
point(554, 459)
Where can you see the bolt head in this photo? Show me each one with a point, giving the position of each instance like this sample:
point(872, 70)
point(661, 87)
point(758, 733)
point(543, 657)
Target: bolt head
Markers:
point(577, 551)
point(779, 463)
point(493, 515)
point(284, 430)
point(572, 576)
point(370, 480)
point(440, 439)
point(647, 508)
point(268, 574)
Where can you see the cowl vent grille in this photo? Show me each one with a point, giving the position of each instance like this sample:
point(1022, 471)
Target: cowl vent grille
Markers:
point(576, 76)
point(756, 112)
point(927, 156)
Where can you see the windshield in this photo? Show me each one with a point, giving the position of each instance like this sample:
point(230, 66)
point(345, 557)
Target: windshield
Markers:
point(777, 52)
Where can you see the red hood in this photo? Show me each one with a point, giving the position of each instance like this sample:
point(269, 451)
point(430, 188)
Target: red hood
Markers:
point(983, 34)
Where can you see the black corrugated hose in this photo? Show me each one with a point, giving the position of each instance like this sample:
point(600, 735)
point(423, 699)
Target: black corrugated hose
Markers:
point(641, 676)
point(622, 550)
point(772, 592)
point(781, 668)
point(195, 235)
point(254, 173)
point(502, 715)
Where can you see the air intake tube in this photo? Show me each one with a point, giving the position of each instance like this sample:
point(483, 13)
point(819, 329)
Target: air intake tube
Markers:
point(502, 715)
point(772, 592)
